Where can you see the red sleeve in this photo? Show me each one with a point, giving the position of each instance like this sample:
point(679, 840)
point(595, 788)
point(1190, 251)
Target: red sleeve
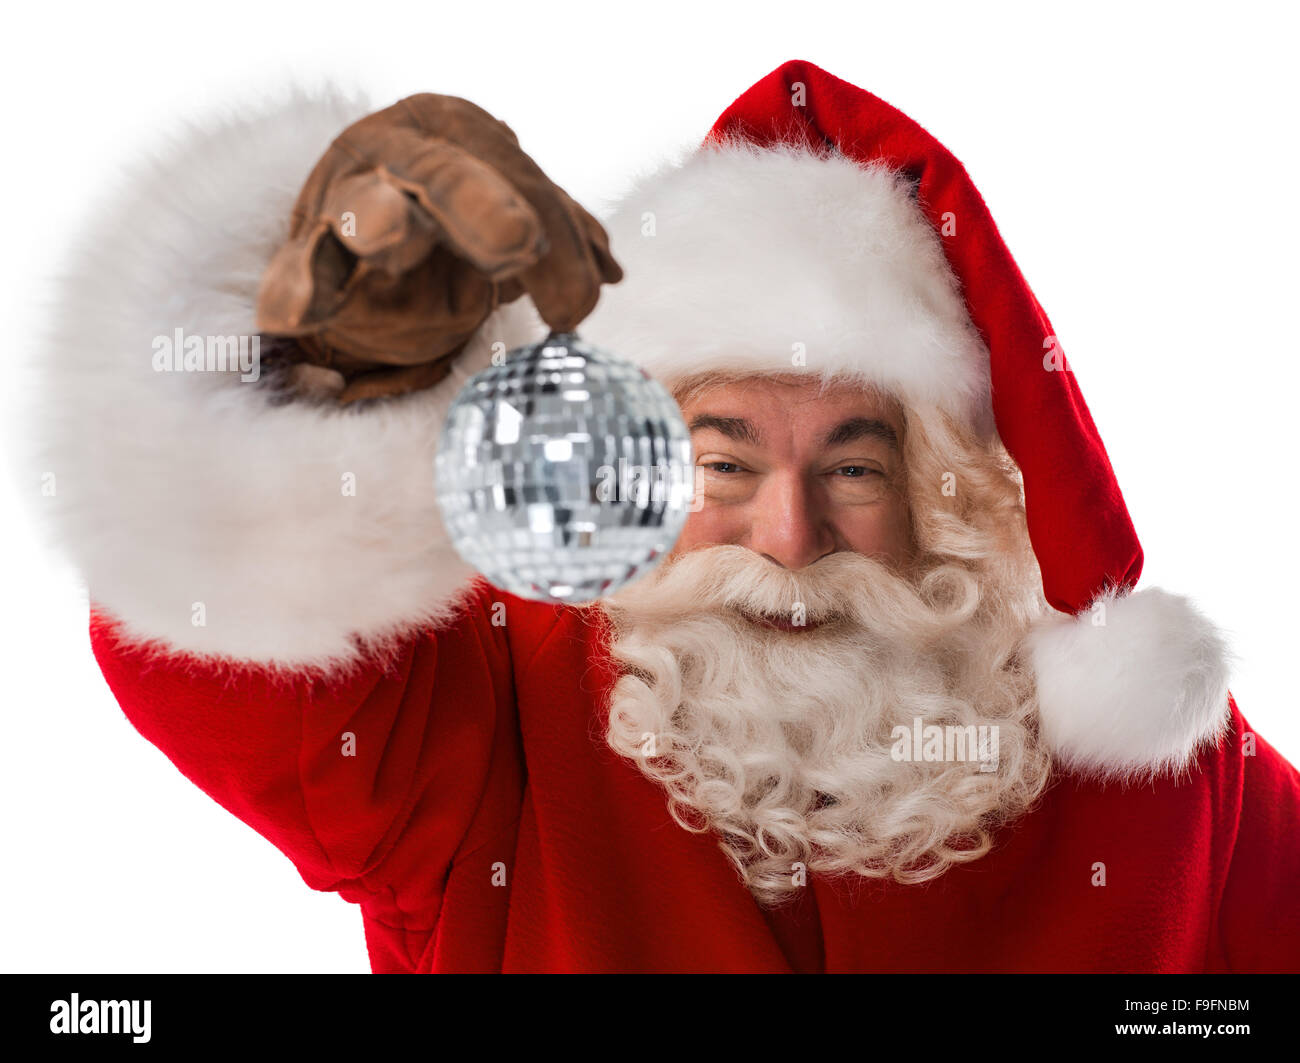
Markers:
point(369, 783)
point(1259, 915)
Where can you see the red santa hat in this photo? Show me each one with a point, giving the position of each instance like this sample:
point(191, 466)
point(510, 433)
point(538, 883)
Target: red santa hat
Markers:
point(818, 221)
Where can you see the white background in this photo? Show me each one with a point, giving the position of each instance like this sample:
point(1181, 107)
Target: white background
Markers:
point(1141, 166)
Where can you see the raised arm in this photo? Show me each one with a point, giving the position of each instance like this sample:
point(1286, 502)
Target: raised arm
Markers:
point(240, 404)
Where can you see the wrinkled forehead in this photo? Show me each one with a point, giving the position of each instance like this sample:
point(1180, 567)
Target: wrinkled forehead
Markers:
point(790, 386)
point(759, 408)
point(774, 397)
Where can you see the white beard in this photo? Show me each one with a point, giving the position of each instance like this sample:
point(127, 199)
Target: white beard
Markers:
point(784, 743)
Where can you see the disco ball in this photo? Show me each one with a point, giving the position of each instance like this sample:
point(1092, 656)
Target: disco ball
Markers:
point(564, 472)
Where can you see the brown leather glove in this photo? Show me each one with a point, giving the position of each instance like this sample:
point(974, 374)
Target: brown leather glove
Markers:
point(416, 223)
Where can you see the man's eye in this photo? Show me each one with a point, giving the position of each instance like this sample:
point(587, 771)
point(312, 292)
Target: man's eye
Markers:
point(722, 466)
point(854, 472)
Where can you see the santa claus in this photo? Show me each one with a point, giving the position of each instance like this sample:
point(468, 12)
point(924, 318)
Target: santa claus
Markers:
point(892, 704)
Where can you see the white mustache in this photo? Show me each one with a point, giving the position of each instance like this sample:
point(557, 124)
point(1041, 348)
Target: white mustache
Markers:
point(841, 586)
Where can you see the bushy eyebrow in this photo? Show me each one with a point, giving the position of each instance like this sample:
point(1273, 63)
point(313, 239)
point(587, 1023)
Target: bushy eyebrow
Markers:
point(856, 428)
point(736, 428)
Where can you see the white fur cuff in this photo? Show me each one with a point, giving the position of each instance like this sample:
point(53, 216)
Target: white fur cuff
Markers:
point(201, 514)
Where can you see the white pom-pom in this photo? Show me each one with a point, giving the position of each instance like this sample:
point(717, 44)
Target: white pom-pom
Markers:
point(1131, 687)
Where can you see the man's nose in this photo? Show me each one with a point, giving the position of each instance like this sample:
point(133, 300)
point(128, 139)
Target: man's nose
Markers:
point(788, 526)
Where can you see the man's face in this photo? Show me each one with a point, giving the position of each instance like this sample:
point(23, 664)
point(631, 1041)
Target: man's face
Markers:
point(776, 657)
point(795, 473)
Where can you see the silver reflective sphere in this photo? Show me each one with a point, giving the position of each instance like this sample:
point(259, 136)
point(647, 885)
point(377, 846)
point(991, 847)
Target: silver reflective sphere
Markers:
point(563, 473)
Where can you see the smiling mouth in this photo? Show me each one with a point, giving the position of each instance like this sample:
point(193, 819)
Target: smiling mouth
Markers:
point(781, 623)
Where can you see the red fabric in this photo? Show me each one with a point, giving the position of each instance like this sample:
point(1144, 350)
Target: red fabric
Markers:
point(479, 751)
point(1080, 527)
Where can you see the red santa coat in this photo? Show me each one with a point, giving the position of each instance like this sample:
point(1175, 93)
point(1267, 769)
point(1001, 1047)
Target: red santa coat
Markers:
point(483, 826)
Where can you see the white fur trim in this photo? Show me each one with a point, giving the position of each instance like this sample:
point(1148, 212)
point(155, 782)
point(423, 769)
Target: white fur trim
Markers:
point(739, 253)
point(177, 488)
point(1134, 696)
